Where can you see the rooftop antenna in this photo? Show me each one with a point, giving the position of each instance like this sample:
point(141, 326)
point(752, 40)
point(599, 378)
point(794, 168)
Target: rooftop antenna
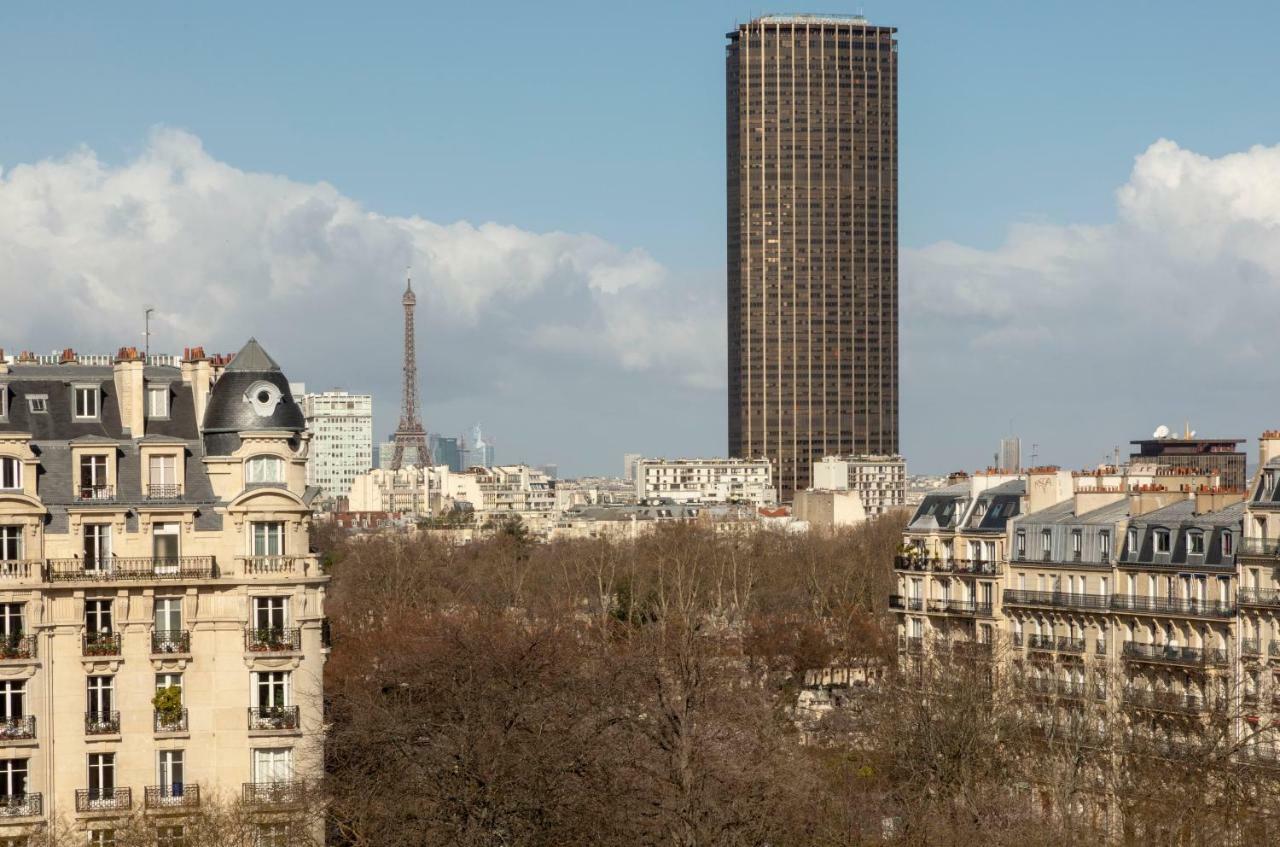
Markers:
point(146, 333)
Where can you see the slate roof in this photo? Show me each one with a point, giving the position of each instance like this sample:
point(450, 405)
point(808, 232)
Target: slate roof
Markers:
point(1178, 518)
point(230, 412)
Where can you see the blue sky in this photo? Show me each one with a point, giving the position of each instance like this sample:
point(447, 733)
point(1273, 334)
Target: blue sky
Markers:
point(607, 119)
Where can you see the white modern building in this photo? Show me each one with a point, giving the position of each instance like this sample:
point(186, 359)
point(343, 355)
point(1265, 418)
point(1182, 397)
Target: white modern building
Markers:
point(706, 480)
point(341, 427)
point(881, 481)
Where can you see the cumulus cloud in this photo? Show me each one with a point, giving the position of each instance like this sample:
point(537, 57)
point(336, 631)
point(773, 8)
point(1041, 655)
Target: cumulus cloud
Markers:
point(222, 253)
point(1086, 336)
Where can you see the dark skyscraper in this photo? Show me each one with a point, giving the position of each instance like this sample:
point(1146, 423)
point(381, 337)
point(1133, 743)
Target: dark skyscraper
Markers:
point(813, 241)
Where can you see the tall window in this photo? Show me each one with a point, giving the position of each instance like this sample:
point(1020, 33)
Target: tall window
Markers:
point(1133, 543)
point(97, 616)
point(1228, 544)
point(13, 778)
point(168, 615)
point(101, 695)
point(270, 612)
point(264, 469)
point(271, 688)
point(97, 546)
point(1161, 540)
point(86, 401)
point(12, 699)
point(157, 401)
point(1046, 540)
point(102, 776)
point(93, 477)
point(164, 541)
point(168, 680)
point(169, 772)
point(268, 538)
point(272, 765)
point(163, 476)
point(1077, 543)
point(10, 543)
point(11, 620)
point(1195, 543)
point(102, 838)
point(1104, 545)
point(10, 473)
point(1021, 544)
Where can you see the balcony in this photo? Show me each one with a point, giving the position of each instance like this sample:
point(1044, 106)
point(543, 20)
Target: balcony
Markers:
point(177, 796)
point(170, 642)
point(912, 644)
point(272, 565)
point(975, 567)
point(170, 721)
point(273, 718)
point(1055, 599)
point(1173, 606)
point(20, 570)
point(100, 644)
point(17, 648)
point(1164, 701)
point(901, 603)
point(1269, 547)
point(1250, 647)
point(273, 640)
point(164, 491)
point(28, 805)
point(1168, 654)
point(96, 493)
point(143, 569)
point(1067, 644)
point(280, 793)
point(104, 799)
point(1041, 642)
point(101, 723)
point(21, 728)
point(1258, 597)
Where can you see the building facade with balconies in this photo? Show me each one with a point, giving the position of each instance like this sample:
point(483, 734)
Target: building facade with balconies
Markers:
point(160, 609)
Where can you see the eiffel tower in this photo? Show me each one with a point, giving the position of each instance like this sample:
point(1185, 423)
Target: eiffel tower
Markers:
point(410, 434)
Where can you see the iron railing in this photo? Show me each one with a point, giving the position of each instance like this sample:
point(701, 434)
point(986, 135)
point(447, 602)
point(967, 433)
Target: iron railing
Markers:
point(1059, 599)
point(164, 491)
point(1164, 701)
point(96, 492)
point(273, 718)
point(1260, 546)
point(1067, 644)
point(103, 799)
point(101, 644)
point(978, 567)
point(18, 728)
point(1174, 655)
point(273, 640)
point(1258, 597)
point(170, 641)
point(180, 794)
point(1251, 646)
point(17, 647)
point(120, 569)
point(175, 721)
point(1173, 605)
point(898, 601)
point(27, 805)
point(101, 723)
point(279, 793)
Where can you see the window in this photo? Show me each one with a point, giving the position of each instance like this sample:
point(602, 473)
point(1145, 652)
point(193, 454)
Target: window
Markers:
point(102, 779)
point(102, 838)
point(1046, 541)
point(169, 772)
point(270, 612)
point(271, 689)
point(1195, 543)
point(1132, 542)
point(1021, 544)
point(4, 413)
point(12, 700)
point(86, 401)
point(164, 543)
point(10, 473)
point(1104, 545)
point(162, 478)
point(170, 836)
point(268, 538)
point(168, 615)
point(272, 765)
point(97, 546)
point(11, 620)
point(168, 680)
point(264, 469)
point(10, 543)
point(13, 778)
point(97, 616)
point(1228, 544)
point(157, 401)
point(38, 404)
point(272, 835)
point(100, 691)
point(1076, 543)
point(93, 477)
point(1161, 540)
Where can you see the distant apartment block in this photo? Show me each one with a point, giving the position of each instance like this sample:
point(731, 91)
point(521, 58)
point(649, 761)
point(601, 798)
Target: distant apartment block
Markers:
point(1207, 455)
point(341, 427)
point(881, 481)
point(706, 480)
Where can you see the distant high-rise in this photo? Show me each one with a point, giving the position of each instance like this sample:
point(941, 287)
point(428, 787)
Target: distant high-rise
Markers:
point(341, 427)
point(812, 241)
point(1010, 458)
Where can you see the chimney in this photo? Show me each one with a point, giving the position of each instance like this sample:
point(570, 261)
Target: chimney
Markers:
point(1214, 499)
point(1047, 486)
point(4, 363)
point(68, 357)
point(130, 391)
point(197, 372)
point(1268, 446)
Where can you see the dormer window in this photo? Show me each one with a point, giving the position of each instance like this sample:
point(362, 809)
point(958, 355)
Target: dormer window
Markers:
point(1020, 544)
point(4, 401)
point(1160, 539)
point(264, 469)
point(1046, 544)
point(38, 403)
point(1195, 543)
point(1228, 544)
point(157, 401)
point(1132, 542)
point(85, 399)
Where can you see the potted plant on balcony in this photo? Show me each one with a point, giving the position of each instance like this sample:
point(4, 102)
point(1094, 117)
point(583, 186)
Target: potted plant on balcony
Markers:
point(100, 644)
point(278, 717)
point(168, 706)
point(12, 646)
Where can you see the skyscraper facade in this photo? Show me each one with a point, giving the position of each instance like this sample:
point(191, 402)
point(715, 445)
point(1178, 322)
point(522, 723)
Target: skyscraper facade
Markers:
point(341, 427)
point(812, 241)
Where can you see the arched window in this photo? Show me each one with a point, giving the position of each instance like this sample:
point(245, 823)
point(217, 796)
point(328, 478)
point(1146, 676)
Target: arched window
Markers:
point(264, 469)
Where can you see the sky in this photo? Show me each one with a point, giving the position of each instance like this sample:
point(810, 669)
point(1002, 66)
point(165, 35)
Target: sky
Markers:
point(1089, 208)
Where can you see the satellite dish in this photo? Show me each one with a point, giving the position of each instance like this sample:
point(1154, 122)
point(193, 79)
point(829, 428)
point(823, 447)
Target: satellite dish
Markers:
point(1162, 431)
point(1192, 435)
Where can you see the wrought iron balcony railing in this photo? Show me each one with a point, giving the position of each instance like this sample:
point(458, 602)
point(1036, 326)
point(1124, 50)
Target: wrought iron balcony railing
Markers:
point(1174, 655)
point(914, 604)
point(1067, 644)
point(273, 718)
point(101, 723)
point(1041, 642)
point(101, 644)
point(1258, 597)
point(120, 569)
point(1164, 701)
point(1058, 599)
point(27, 805)
point(168, 641)
point(1251, 646)
point(96, 492)
point(273, 640)
point(1259, 547)
point(20, 728)
point(279, 793)
point(17, 647)
point(179, 794)
point(164, 491)
point(175, 721)
point(103, 799)
point(978, 567)
point(1173, 606)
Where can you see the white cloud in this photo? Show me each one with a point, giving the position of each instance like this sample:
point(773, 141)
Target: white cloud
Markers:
point(1087, 336)
point(218, 250)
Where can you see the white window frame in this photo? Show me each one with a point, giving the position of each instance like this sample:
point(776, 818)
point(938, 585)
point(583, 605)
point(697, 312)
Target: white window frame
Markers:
point(160, 410)
point(10, 473)
point(271, 764)
point(10, 543)
point(264, 469)
point(1160, 541)
point(1195, 538)
point(38, 404)
point(92, 405)
point(271, 534)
